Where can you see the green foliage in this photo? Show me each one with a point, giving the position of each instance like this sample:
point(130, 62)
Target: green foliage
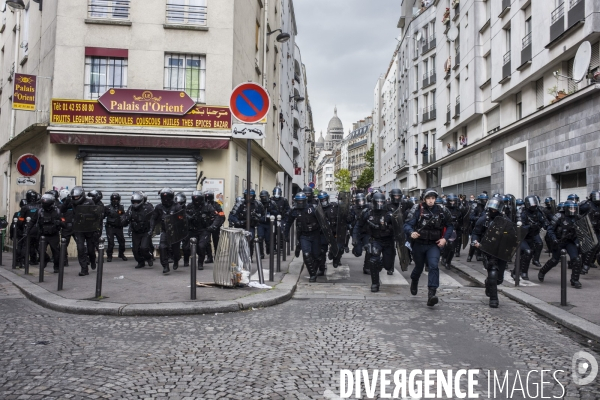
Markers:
point(365, 179)
point(343, 180)
point(370, 156)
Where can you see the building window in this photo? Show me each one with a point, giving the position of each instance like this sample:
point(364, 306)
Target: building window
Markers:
point(186, 12)
point(186, 72)
point(110, 9)
point(103, 73)
point(539, 93)
point(519, 101)
point(488, 67)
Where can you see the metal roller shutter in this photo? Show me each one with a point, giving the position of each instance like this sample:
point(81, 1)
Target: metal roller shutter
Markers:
point(127, 173)
point(469, 189)
point(484, 184)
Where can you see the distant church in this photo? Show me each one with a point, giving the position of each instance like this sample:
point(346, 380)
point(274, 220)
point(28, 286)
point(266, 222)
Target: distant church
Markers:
point(335, 134)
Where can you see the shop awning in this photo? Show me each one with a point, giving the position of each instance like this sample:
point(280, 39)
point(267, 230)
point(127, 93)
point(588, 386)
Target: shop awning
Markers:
point(85, 139)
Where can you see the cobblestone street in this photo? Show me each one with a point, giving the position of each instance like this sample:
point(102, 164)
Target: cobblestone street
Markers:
point(294, 350)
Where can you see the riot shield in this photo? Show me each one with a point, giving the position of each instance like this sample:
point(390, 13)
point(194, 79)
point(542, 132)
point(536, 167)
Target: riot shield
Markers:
point(400, 239)
point(326, 229)
point(344, 199)
point(176, 227)
point(466, 228)
point(585, 233)
point(500, 239)
point(512, 206)
point(88, 219)
point(553, 206)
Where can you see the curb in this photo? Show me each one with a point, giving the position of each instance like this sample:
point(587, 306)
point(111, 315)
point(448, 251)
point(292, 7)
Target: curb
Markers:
point(280, 293)
point(565, 318)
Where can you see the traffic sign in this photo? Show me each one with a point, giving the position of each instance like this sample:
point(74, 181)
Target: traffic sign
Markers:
point(249, 102)
point(311, 185)
point(247, 131)
point(28, 165)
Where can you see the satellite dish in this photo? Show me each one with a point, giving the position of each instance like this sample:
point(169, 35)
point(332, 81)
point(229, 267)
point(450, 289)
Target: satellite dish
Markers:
point(419, 36)
point(582, 60)
point(452, 34)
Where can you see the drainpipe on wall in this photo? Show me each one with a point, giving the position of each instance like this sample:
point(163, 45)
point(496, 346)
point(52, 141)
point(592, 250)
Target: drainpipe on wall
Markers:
point(13, 115)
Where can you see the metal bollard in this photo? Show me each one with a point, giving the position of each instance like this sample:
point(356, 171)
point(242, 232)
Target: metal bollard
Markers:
point(26, 255)
point(193, 249)
point(100, 268)
point(563, 277)
point(15, 241)
point(288, 246)
point(293, 236)
point(279, 249)
point(518, 256)
point(42, 257)
point(61, 263)
point(261, 276)
point(271, 245)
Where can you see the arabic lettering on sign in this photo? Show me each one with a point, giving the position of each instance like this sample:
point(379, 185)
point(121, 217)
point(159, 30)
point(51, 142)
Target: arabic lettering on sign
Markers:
point(248, 131)
point(26, 181)
point(88, 112)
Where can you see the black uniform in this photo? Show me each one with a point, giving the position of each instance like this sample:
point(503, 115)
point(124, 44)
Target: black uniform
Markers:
point(477, 210)
point(534, 221)
point(588, 207)
point(270, 209)
point(85, 240)
point(17, 234)
point(115, 221)
point(66, 231)
point(203, 220)
point(561, 235)
point(158, 217)
point(139, 222)
point(453, 248)
point(309, 235)
point(31, 210)
point(360, 234)
point(216, 234)
point(237, 217)
point(49, 224)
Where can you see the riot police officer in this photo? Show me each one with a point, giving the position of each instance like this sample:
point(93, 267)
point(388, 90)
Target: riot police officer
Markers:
point(263, 226)
point(425, 225)
point(457, 214)
point(66, 219)
point(573, 197)
point(561, 234)
point(96, 196)
point(548, 213)
point(115, 221)
point(395, 200)
point(495, 266)
point(85, 241)
point(237, 216)
point(49, 223)
point(331, 210)
point(477, 209)
point(181, 199)
point(592, 207)
point(31, 210)
point(310, 195)
point(380, 247)
point(210, 199)
point(360, 234)
point(533, 221)
point(17, 233)
point(308, 232)
point(203, 220)
point(138, 218)
point(282, 203)
point(167, 206)
point(54, 194)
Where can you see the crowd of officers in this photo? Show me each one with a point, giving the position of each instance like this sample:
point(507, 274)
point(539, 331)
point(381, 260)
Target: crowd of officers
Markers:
point(52, 216)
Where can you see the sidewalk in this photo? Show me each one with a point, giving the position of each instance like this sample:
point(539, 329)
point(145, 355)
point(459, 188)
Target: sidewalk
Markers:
point(146, 291)
point(582, 314)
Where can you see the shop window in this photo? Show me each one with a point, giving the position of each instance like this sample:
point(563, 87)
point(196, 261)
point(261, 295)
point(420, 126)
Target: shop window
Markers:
point(186, 72)
point(103, 73)
point(109, 9)
point(186, 12)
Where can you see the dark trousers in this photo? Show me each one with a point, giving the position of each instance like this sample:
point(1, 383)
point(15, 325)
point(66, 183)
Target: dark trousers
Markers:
point(84, 254)
point(111, 232)
point(54, 242)
point(452, 248)
point(34, 244)
point(141, 247)
point(264, 234)
point(322, 259)
point(165, 247)
point(430, 254)
point(310, 243)
point(382, 254)
point(495, 269)
point(215, 239)
point(203, 242)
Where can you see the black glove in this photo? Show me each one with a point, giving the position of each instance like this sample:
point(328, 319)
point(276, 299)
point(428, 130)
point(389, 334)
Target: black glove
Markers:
point(357, 251)
point(297, 251)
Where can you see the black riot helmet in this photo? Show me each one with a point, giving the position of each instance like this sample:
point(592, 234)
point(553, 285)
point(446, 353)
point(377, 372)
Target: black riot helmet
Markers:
point(77, 195)
point(145, 197)
point(53, 193)
point(209, 197)
point(452, 200)
point(115, 199)
point(252, 194)
point(22, 203)
point(396, 196)
point(378, 201)
point(482, 199)
point(137, 199)
point(573, 197)
point(301, 200)
point(198, 198)
point(595, 197)
point(520, 202)
point(95, 195)
point(166, 197)
point(308, 192)
point(495, 205)
point(360, 200)
point(571, 208)
point(264, 196)
point(31, 196)
point(180, 199)
point(47, 202)
point(277, 193)
point(531, 203)
point(324, 199)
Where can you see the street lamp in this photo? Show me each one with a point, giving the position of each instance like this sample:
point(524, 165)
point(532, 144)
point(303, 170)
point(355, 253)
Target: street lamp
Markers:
point(15, 4)
point(281, 38)
point(297, 97)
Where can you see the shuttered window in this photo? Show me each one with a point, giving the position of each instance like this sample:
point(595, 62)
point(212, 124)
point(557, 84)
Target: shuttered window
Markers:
point(572, 84)
point(539, 93)
point(493, 120)
point(595, 61)
point(484, 185)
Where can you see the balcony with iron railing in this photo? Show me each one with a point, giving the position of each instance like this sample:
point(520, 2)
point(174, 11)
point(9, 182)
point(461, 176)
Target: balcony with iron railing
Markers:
point(432, 112)
point(557, 23)
point(432, 77)
point(576, 12)
point(457, 57)
point(457, 107)
point(432, 41)
point(108, 10)
point(526, 49)
point(448, 116)
point(425, 115)
point(506, 68)
point(425, 80)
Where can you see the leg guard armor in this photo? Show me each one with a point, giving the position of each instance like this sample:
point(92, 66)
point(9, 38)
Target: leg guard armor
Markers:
point(551, 263)
point(491, 285)
point(309, 261)
point(526, 257)
point(575, 271)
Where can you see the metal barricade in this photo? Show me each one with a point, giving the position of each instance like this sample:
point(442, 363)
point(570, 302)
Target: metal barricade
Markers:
point(232, 257)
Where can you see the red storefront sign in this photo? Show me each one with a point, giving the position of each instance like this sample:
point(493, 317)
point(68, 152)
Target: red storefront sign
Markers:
point(162, 102)
point(24, 92)
point(297, 171)
point(90, 112)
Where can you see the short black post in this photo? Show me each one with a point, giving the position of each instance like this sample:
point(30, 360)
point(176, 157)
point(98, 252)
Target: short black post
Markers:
point(261, 276)
point(100, 268)
point(15, 241)
point(285, 248)
point(563, 277)
point(293, 236)
point(518, 256)
point(271, 244)
point(26, 255)
point(279, 249)
point(193, 247)
point(61, 262)
point(42, 257)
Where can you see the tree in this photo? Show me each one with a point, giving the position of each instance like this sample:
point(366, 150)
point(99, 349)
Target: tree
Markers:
point(365, 179)
point(370, 156)
point(343, 180)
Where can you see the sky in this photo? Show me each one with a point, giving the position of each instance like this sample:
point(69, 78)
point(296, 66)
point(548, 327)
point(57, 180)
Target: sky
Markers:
point(346, 45)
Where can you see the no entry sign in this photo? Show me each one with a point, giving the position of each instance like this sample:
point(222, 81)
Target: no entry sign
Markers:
point(249, 103)
point(28, 165)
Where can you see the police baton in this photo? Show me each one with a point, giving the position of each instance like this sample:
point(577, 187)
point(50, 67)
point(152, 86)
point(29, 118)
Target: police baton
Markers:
point(563, 277)
point(518, 256)
point(28, 220)
point(193, 245)
point(271, 245)
point(42, 252)
point(61, 263)
point(100, 268)
point(15, 244)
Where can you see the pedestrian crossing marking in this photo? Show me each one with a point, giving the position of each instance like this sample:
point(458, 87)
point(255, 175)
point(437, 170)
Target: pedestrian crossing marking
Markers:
point(508, 278)
point(445, 279)
point(335, 274)
point(396, 279)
